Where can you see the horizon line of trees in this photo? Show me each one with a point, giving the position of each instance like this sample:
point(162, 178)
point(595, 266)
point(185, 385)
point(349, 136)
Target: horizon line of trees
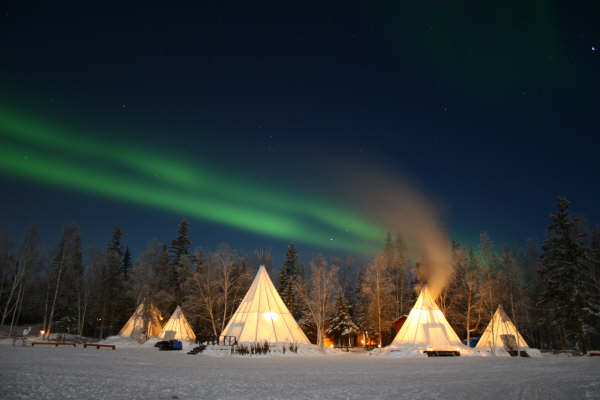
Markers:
point(551, 292)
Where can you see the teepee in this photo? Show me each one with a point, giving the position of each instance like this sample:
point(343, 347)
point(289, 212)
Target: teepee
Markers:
point(501, 335)
point(426, 328)
point(145, 323)
point(177, 327)
point(262, 316)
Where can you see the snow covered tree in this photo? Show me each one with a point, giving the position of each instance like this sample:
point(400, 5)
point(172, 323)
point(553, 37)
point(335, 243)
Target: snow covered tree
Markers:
point(360, 311)
point(340, 323)
point(565, 270)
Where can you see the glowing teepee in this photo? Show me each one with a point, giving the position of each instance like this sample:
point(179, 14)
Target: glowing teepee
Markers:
point(501, 335)
point(426, 328)
point(145, 323)
point(263, 316)
point(177, 327)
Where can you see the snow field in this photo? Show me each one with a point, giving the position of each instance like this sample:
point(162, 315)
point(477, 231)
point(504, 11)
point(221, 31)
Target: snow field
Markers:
point(143, 372)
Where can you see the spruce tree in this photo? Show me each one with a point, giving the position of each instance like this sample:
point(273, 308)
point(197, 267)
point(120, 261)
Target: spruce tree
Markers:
point(180, 246)
point(595, 258)
point(126, 264)
point(115, 241)
point(78, 282)
point(287, 280)
point(163, 269)
point(180, 254)
point(340, 323)
point(565, 273)
point(388, 250)
point(360, 311)
point(111, 310)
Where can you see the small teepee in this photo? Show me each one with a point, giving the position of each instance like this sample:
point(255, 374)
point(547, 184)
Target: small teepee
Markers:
point(262, 316)
point(177, 327)
point(426, 328)
point(145, 323)
point(501, 335)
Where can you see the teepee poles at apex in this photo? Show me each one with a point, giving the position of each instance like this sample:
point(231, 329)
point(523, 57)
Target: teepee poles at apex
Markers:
point(263, 317)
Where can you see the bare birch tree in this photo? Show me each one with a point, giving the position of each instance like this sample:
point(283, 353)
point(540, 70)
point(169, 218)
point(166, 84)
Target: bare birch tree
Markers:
point(317, 293)
point(378, 293)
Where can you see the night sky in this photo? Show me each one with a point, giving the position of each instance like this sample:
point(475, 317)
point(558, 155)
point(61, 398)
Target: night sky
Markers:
point(244, 119)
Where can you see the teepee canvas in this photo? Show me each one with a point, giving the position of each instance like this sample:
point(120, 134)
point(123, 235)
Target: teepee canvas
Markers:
point(177, 327)
point(145, 323)
point(426, 328)
point(501, 335)
point(263, 316)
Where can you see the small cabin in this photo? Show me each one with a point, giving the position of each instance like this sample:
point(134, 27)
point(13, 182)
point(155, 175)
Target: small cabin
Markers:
point(398, 324)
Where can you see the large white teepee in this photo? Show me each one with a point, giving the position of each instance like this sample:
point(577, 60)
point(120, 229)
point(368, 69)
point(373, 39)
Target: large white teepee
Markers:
point(263, 316)
point(501, 335)
point(177, 327)
point(145, 323)
point(426, 328)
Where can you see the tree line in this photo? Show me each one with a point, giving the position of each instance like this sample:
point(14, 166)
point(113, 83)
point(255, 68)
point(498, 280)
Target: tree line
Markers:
point(552, 291)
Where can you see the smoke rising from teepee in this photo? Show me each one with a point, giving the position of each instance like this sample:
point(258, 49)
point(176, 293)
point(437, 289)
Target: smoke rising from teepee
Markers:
point(404, 210)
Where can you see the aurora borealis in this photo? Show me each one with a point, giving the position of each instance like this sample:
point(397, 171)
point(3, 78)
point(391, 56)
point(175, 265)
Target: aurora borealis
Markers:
point(251, 122)
point(176, 187)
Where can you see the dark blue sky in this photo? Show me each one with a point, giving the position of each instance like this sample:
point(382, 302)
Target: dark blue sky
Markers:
point(491, 111)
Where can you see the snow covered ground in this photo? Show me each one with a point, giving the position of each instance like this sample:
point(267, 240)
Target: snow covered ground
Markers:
point(145, 373)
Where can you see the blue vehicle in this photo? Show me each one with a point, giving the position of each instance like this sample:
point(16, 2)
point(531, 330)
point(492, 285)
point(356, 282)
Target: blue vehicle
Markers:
point(473, 341)
point(169, 345)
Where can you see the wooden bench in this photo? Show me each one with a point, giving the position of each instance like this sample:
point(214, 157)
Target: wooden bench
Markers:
point(594, 353)
point(56, 344)
point(442, 353)
point(111, 346)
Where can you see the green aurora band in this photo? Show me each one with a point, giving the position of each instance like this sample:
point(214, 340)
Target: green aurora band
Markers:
point(184, 188)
